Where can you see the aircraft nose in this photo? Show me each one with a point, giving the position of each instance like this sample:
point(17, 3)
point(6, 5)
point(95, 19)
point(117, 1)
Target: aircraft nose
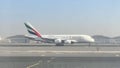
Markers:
point(92, 40)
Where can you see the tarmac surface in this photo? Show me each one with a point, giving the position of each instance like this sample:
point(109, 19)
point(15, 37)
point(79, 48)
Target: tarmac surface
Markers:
point(24, 50)
point(60, 51)
point(19, 56)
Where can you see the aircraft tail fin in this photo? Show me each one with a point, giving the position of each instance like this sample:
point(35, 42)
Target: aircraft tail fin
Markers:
point(32, 30)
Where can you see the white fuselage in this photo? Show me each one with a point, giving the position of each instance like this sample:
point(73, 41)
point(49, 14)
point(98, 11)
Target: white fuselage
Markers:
point(58, 39)
point(74, 38)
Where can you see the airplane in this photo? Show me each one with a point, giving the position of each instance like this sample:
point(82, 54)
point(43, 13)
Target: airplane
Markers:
point(59, 40)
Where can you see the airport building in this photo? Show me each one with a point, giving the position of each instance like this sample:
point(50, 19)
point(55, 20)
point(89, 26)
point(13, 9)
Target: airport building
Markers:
point(18, 39)
point(117, 39)
point(99, 39)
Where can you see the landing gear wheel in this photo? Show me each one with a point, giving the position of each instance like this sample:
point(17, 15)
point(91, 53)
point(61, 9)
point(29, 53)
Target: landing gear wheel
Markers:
point(59, 44)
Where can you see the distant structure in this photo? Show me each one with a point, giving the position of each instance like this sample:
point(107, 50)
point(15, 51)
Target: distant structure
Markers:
point(100, 39)
point(0, 38)
point(3, 40)
point(117, 39)
point(18, 39)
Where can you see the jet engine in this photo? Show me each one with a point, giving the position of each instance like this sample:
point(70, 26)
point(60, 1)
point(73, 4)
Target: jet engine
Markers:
point(68, 42)
point(58, 41)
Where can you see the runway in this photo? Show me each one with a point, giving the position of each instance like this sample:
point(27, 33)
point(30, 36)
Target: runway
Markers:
point(60, 51)
point(59, 57)
point(53, 45)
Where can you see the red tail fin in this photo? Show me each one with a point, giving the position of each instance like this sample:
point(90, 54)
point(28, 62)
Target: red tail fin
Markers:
point(32, 30)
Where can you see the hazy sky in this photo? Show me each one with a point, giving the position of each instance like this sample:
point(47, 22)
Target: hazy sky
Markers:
point(91, 17)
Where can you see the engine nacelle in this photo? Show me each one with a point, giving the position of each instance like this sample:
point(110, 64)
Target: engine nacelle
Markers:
point(58, 41)
point(68, 41)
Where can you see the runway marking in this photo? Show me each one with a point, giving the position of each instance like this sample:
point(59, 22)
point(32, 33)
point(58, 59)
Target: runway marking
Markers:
point(58, 52)
point(33, 65)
